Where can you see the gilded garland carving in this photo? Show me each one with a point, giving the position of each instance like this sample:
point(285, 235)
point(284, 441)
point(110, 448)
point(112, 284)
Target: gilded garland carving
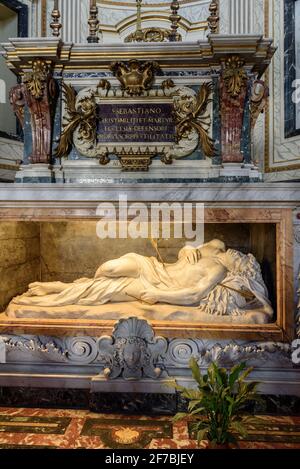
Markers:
point(234, 75)
point(82, 115)
point(35, 81)
point(191, 115)
point(135, 77)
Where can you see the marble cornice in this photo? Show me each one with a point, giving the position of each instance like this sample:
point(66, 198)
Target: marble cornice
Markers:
point(256, 194)
point(256, 51)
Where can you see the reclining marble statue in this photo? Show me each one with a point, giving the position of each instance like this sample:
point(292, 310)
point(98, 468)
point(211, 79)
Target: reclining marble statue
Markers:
point(208, 281)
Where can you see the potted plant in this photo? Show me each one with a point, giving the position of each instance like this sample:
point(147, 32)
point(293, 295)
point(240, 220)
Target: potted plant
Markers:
point(214, 409)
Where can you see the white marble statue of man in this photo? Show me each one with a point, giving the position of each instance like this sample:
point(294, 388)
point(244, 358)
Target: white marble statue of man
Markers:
point(217, 281)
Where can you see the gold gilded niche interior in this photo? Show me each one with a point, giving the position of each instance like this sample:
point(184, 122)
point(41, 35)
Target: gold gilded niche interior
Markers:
point(69, 249)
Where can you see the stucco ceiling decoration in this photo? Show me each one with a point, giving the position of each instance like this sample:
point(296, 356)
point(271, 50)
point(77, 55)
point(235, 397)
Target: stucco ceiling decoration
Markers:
point(119, 17)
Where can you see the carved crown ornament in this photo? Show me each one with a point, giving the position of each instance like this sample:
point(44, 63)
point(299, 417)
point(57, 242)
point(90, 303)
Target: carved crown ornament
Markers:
point(151, 35)
point(185, 113)
point(135, 76)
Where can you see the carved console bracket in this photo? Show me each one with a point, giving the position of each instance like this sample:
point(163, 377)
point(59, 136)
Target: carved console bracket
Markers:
point(133, 351)
point(38, 92)
point(233, 91)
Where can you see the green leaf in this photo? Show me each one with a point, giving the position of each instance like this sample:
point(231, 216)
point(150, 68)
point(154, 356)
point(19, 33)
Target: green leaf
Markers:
point(191, 394)
point(235, 372)
point(202, 434)
point(244, 375)
point(180, 416)
point(239, 428)
point(196, 371)
point(193, 404)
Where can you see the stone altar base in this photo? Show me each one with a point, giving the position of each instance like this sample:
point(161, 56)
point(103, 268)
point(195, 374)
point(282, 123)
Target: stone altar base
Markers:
point(116, 311)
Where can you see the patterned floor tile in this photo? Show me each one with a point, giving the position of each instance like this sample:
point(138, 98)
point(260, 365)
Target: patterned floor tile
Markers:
point(79, 429)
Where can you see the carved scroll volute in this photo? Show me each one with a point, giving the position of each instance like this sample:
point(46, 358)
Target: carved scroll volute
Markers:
point(258, 101)
point(17, 101)
point(233, 91)
point(40, 93)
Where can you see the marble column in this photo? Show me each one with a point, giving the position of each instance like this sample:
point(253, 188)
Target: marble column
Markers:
point(241, 17)
point(74, 19)
point(71, 20)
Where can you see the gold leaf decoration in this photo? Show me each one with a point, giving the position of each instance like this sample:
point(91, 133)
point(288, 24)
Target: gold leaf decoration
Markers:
point(195, 118)
point(135, 76)
point(234, 75)
point(35, 81)
point(83, 116)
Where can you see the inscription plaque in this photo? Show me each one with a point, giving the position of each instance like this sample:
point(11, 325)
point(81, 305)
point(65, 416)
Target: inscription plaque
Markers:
point(136, 123)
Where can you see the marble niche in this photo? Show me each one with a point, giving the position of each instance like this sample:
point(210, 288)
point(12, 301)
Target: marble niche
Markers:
point(68, 254)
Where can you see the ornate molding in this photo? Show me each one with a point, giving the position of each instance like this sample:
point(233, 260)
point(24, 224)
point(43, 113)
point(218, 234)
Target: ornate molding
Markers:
point(135, 76)
point(82, 350)
point(180, 351)
point(133, 351)
point(45, 348)
point(231, 353)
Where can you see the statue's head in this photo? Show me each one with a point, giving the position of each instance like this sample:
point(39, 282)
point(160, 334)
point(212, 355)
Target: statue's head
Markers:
point(238, 263)
point(132, 353)
point(212, 248)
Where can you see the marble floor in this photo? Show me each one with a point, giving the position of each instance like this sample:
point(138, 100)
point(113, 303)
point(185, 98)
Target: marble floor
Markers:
point(69, 429)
